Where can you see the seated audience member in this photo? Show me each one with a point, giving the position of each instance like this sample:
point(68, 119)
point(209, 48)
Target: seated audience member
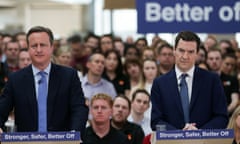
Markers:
point(100, 131)
point(217, 64)
point(92, 82)
point(234, 123)
point(165, 58)
point(114, 72)
point(121, 110)
point(24, 58)
point(63, 57)
point(140, 104)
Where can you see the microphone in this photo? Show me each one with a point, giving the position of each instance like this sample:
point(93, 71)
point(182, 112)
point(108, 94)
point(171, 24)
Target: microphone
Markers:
point(39, 81)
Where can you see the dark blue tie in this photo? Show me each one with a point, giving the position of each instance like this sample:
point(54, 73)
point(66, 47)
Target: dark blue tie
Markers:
point(42, 102)
point(184, 97)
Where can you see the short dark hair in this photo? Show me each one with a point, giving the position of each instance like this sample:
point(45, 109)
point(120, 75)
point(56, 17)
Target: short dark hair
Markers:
point(38, 29)
point(125, 98)
point(140, 91)
point(188, 36)
point(164, 46)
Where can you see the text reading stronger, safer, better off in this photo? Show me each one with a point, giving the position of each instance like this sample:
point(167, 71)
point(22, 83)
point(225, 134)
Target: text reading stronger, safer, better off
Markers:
point(218, 16)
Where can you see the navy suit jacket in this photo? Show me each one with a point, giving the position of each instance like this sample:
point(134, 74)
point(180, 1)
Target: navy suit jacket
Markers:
point(66, 109)
point(208, 108)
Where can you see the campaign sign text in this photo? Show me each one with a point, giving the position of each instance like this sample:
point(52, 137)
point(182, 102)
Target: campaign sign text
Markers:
point(212, 16)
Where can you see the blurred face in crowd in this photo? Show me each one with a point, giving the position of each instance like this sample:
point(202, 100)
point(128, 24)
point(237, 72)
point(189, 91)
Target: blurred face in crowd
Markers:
point(166, 57)
point(64, 58)
point(133, 70)
point(77, 50)
point(119, 46)
point(121, 110)
point(131, 53)
point(111, 62)
point(214, 60)
point(106, 44)
point(92, 42)
point(228, 65)
point(185, 55)
point(101, 111)
point(201, 56)
point(141, 103)
point(141, 44)
point(40, 49)
point(148, 54)
point(24, 59)
point(96, 64)
point(12, 51)
point(150, 70)
point(209, 43)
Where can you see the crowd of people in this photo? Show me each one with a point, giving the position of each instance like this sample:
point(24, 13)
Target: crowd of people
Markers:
point(115, 90)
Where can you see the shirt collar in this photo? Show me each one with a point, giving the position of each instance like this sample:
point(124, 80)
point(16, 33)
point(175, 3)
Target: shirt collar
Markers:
point(179, 72)
point(85, 81)
point(46, 70)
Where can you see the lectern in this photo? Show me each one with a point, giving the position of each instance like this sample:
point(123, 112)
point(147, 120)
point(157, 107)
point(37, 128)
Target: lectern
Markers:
point(216, 136)
point(41, 138)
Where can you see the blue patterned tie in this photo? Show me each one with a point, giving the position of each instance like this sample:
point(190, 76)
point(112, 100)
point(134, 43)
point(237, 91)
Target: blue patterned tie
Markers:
point(184, 97)
point(42, 102)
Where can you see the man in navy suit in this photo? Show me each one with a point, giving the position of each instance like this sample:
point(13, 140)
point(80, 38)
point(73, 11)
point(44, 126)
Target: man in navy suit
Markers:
point(65, 107)
point(207, 107)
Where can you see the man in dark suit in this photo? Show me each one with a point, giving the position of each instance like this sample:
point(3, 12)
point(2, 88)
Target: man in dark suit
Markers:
point(64, 108)
point(206, 107)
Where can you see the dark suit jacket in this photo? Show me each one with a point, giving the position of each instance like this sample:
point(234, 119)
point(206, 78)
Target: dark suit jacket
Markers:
point(66, 109)
point(208, 108)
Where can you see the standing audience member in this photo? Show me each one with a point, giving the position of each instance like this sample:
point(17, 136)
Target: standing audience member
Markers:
point(141, 43)
point(92, 82)
point(121, 110)
point(21, 37)
point(63, 57)
point(234, 123)
point(133, 69)
point(51, 98)
point(188, 97)
point(100, 131)
point(210, 42)
point(234, 43)
point(140, 104)
point(12, 49)
point(24, 58)
point(92, 42)
point(131, 52)
point(119, 46)
point(225, 46)
point(114, 72)
point(202, 55)
point(79, 56)
point(148, 53)
point(230, 83)
point(106, 43)
point(150, 72)
point(165, 58)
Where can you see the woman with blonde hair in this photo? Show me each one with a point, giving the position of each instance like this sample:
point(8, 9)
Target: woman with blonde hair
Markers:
point(234, 123)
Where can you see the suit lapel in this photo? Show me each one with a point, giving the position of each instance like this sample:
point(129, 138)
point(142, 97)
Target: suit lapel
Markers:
point(30, 92)
point(195, 87)
point(54, 81)
point(175, 91)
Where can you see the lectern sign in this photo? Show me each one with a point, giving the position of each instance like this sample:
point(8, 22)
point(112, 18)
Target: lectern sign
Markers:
point(219, 136)
point(41, 138)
